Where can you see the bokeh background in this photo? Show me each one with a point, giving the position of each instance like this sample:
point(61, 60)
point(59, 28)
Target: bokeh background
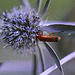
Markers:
point(59, 10)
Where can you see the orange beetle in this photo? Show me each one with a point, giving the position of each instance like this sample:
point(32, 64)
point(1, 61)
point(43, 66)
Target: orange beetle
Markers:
point(48, 38)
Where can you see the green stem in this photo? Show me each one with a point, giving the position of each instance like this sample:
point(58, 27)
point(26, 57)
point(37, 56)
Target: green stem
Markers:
point(35, 64)
point(41, 58)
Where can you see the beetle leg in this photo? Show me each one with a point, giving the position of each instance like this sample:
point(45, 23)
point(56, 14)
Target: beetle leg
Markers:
point(51, 34)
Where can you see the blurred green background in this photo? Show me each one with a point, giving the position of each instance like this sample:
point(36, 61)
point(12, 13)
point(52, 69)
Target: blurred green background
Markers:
point(59, 10)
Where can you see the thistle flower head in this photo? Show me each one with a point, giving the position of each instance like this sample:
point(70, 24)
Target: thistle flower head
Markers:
point(20, 27)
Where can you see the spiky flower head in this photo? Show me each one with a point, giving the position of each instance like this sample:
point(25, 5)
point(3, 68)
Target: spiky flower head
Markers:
point(20, 27)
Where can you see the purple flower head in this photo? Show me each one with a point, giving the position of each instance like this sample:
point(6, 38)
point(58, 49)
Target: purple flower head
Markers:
point(20, 26)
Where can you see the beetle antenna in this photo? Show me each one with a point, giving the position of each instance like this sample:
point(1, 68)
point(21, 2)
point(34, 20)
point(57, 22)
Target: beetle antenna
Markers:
point(38, 6)
point(45, 8)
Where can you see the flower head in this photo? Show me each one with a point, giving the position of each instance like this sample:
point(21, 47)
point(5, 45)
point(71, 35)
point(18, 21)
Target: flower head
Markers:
point(20, 27)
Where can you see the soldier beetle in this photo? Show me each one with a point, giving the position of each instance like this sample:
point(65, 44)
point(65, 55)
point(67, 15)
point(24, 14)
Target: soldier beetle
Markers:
point(48, 38)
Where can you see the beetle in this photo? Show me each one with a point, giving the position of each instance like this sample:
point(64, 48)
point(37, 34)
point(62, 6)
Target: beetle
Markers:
point(48, 38)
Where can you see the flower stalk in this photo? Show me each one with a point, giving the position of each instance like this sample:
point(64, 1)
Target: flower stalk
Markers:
point(62, 61)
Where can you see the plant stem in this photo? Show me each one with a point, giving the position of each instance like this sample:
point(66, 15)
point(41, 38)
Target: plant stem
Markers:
point(35, 64)
point(41, 58)
point(62, 61)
